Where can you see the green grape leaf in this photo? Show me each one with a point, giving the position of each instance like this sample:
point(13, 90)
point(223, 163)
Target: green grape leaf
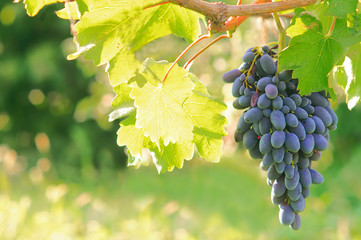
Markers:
point(113, 33)
point(340, 8)
point(166, 157)
point(74, 13)
point(160, 109)
point(34, 6)
point(206, 114)
point(122, 98)
point(132, 137)
point(312, 55)
point(353, 90)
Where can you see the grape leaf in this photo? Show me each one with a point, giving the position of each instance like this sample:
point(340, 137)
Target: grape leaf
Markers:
point(160, 109)
point(132, 137)
point(34, 6)
point(353, 91)
point(172, 155)
point(115, 32)
point(340, 8)
point(312, 55)
point(74, 13)
point(205, 113)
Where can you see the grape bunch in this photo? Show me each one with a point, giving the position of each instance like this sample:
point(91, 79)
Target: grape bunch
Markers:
point(284, 129)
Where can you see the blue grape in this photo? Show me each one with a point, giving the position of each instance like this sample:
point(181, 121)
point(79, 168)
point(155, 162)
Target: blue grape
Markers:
point(289, 103)
point(285, 75)
point(295, 194)
point(320, 126)
point(271, 91)
point(305, 177)
point(299, 131)
point(286, 214)
point(243, 126)
point(277, 103)
point(303, 162)
point(291, 86)
point(305, 102)
point(324, 115)
point(263, 82)
point(253, 115)
point(298, 205)
point(244, 66)
point(280, 167)
point(272, 173)
point(278, 154)
point(301, 113)
point(320, 142)
point(278, 187)
point(230, 76)
point(255, 153)
point(316, 155)
point(296, 223)
point(275, 80)
point(289, 171)
point(267, 159)
point(267, 112)
point(291, 120)
point(244, 101)
point(248, 57)
point(292, 142)
point(333, 115)
point(250, 139)
point(266, 49)
point(278, 200)
point(243, 77)
point(260, 72)
point(252, 49)
point(248, 92)
point(250, 80)
point(309, 109)
point(318, 100)
point(235, 87)
point(285, 110)
point(281, 86)
point(287, 158)
point(317, 178)
point(263, 102)
point(263, 167)
point(278, 139)
point(265, 125)
point(236, 104)
point(305, 192)
point(255, 127)
point(297, 99)
point(265, 144)
point(238, 136)
point(308, 144)
point(241, 90)
point(291, 183)
point(309, 124)
point(268, 64)
point(278, 120)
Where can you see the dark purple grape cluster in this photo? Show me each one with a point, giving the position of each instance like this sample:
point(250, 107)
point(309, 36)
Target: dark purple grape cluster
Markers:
point(284, 129)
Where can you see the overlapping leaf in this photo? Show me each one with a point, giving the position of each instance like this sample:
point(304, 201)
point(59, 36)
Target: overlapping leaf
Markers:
point(116, 31)
point(340, 8)
point(34, 6)
point(311, 54)
point(170, 118)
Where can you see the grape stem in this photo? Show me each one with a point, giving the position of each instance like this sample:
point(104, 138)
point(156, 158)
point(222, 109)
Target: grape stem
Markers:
point(227, 35)
point(184, 52)
point(282, 32)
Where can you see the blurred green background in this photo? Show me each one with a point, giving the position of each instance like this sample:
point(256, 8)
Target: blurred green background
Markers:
point(62, 176)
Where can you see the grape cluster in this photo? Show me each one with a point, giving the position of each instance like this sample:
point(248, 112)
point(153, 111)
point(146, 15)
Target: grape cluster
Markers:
point(284, 129)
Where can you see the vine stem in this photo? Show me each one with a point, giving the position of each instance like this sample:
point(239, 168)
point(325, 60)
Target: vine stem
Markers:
point(282, 32)
point(72, 22)
point(184, 52)
point(227, 35)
